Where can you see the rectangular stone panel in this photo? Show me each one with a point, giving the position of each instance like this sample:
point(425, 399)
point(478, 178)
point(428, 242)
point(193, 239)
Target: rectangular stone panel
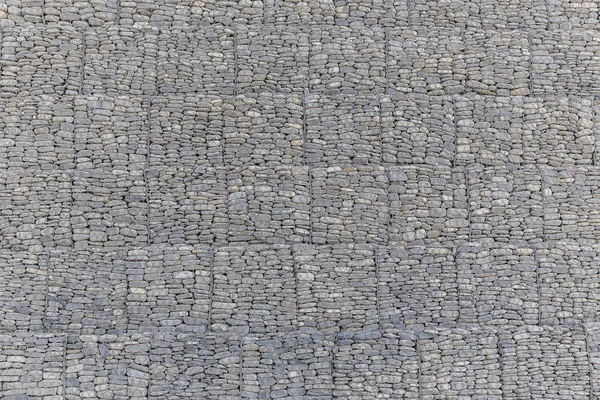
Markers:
point(254, 289)
point(592, 334)
point(347, 60)
point(81, 14)
point(460, 363)
point(349, 205)
point(109, 209)
point(572, 204)
point(506, 206)
point(272, 58)
point(169, 288)
point(145, 13)
point(417, 287)
point(120, 60)
point(31, 365)
point(107, 366)
point(425, 59)
point(418, 129)
point(549, 362)
point(24, 12)
point(198, 60)
point(287, 12)
point(565, 62)
point(337, 286)
point(269, 204)
point(569, 14)
point(486, 14)
point(428, 205)
point(23, 278)
point(376, 364)
point(294, 365)
point(226, 12)
point(111, 133)
point(263, 129)
point(86, 292)
point(37, 133)
point(497, 285)
point(34, 210)
point(569, 283)
point(186, 131)
point(40, 59)
point(185, 366)
point(342, 130)
point(497, 62)
point(187, 205)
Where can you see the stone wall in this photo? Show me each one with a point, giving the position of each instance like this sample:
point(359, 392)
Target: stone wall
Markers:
point(284, 199)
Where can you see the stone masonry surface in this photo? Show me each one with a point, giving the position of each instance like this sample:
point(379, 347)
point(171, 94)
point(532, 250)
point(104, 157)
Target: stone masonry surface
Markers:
point(299, 199)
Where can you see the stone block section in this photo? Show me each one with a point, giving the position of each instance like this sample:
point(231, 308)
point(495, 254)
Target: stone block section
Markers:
point(349, 205)
point(107, 367)
point(186, 131)
point(23, 278)
point(263, 129)
point(31, 366)
point(592, 332)
point(169, 288)
point(569, 283)
point(506, 206)
point(188, 366)
point(35, 210)
point(342, 130)
point(565, 62)
point(487, 14)
point(337, 286)
point(23, 13)
point(226, 12)
point(426, 59)
point(145, 13)
point(81, 14)
point(198, 60)
point(347, 60)
point(37, 134)
point(86, 292)
point(497, 285)
point(187, 205)
point(269, 204)
point(549, 362)
point(569, 14)
point(460, 363)
point(428, 205)
point(120, 60)
point(417, 287)
point(109, 210)
point(254, 289)
point(376, 364)
point(520, 131)
point(295, 365)
point(111, 134)
point(497, 62)
point(272, 58)
point(418, 129)
point(287, 12)
point(572, 209)
point(40, 59)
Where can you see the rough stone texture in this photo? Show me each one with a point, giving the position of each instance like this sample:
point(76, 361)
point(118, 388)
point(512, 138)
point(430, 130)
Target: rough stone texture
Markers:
point(547, 362)
point(169, 288)
point(428, 205)
point(337, 286)
point(32, 366)
point(342, 130)
point(254, 289)
point(187, 366)
point(299, 199)
point(417, 287)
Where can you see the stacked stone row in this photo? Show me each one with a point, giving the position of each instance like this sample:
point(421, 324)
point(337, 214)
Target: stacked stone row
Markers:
point(554, 362)
point(350, 60)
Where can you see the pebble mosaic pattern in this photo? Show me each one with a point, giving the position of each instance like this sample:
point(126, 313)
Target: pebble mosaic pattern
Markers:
point(299, 199)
